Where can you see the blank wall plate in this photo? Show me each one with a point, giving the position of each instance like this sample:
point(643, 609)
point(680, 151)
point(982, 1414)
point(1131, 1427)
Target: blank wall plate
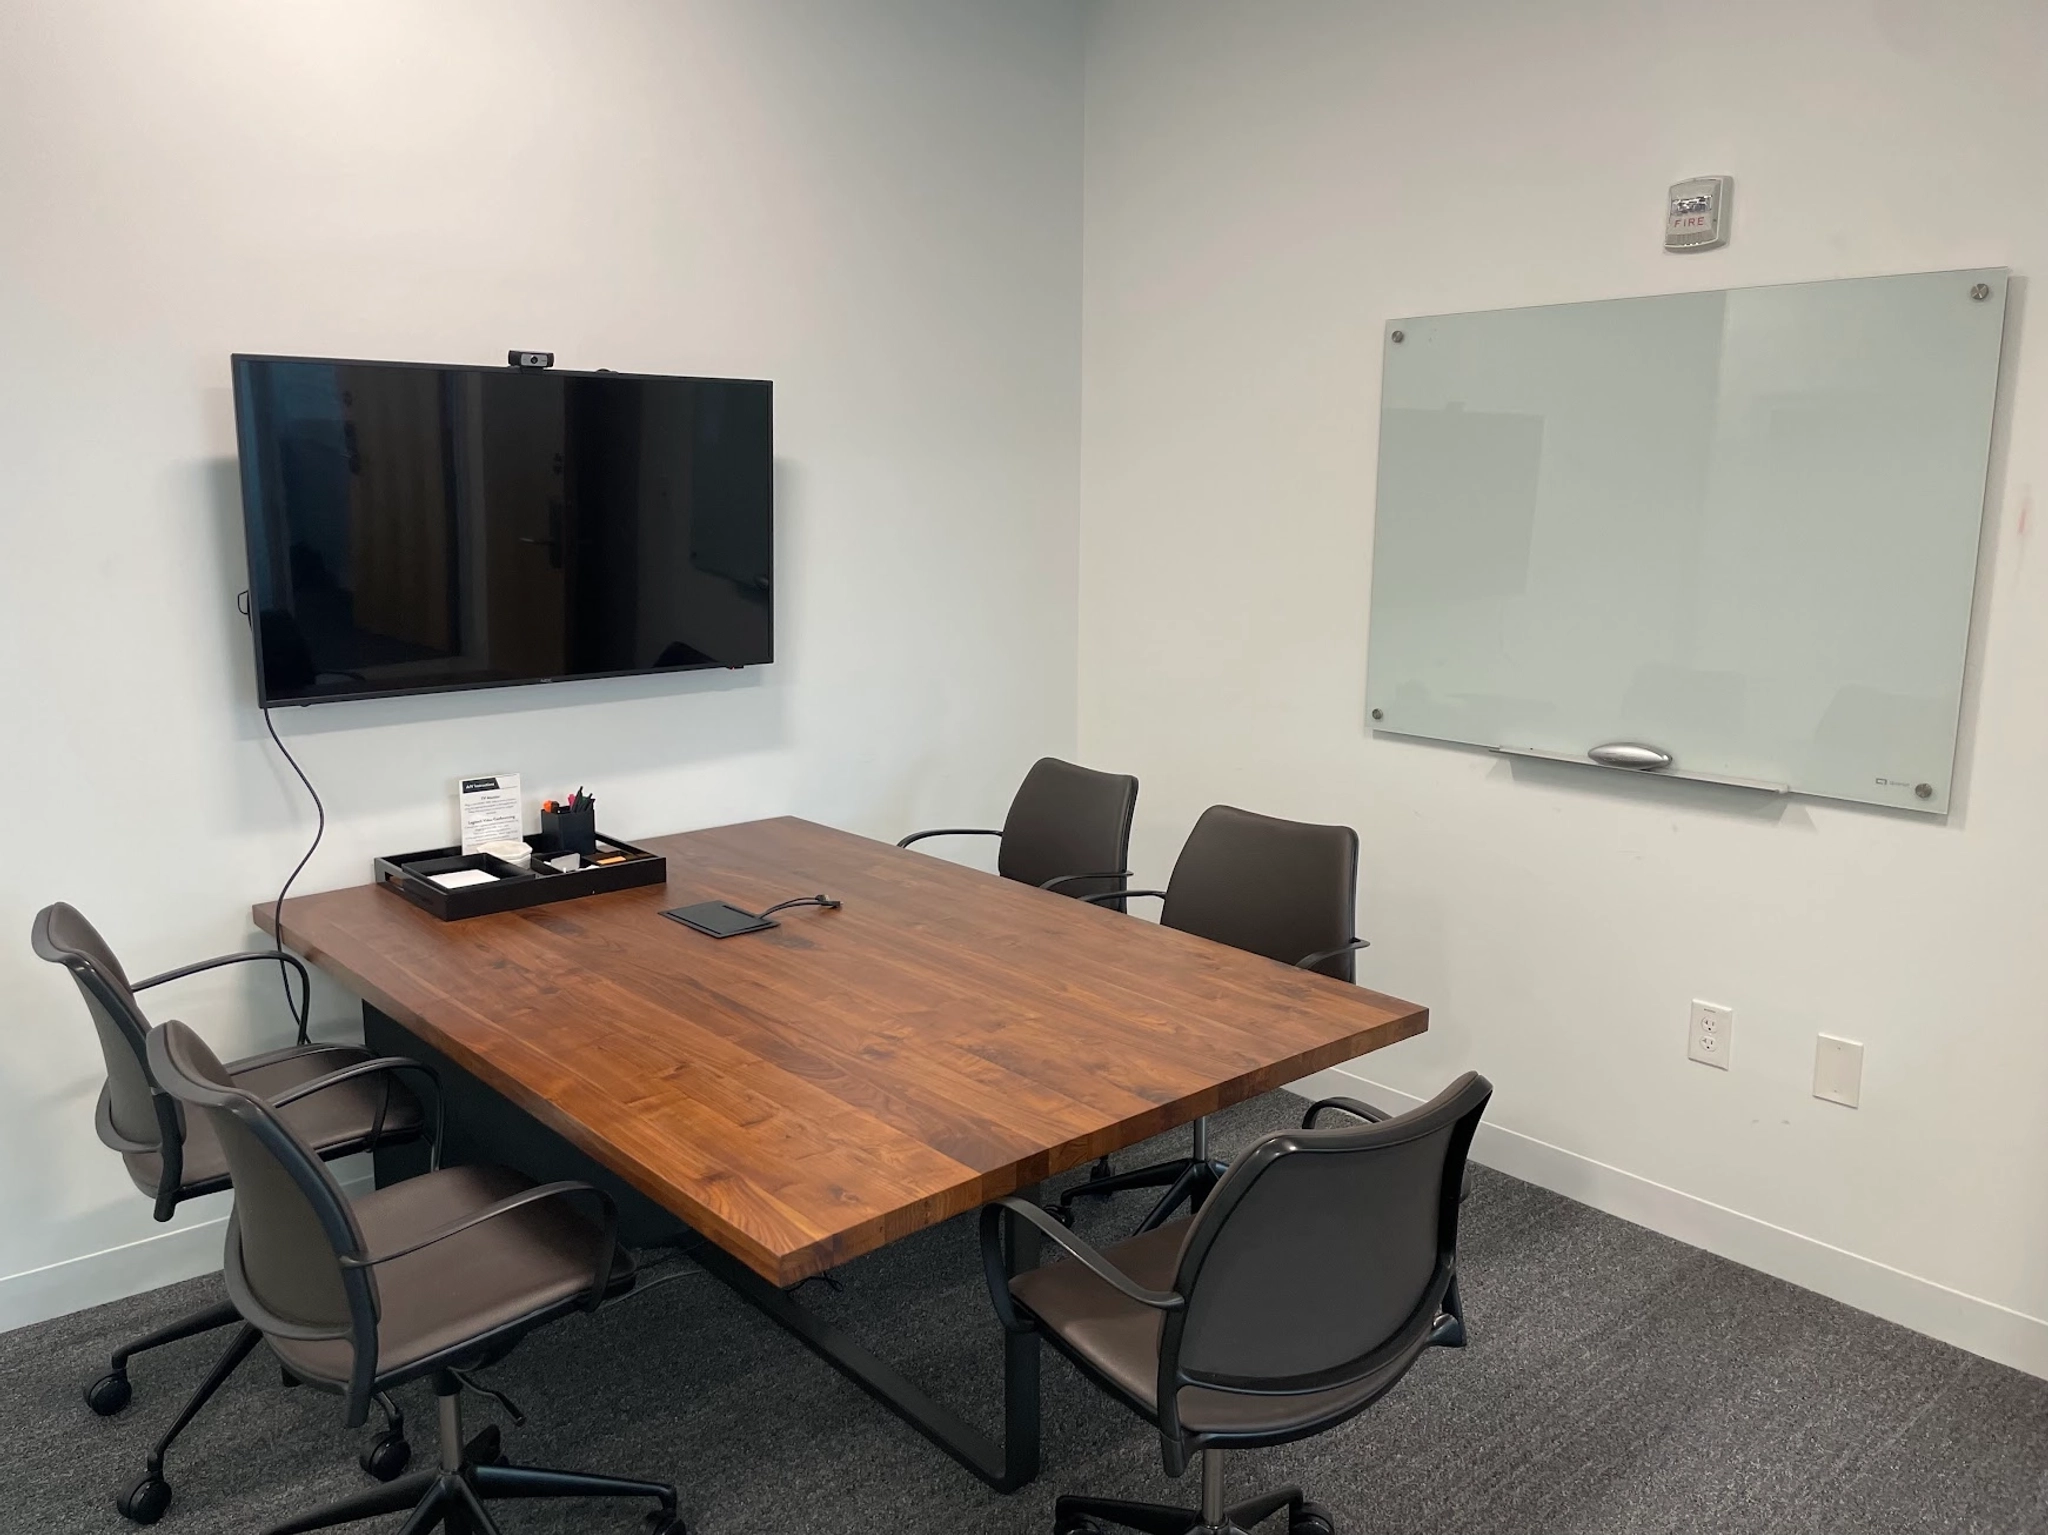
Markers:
point(1711, 1034)
point(1838, 1070)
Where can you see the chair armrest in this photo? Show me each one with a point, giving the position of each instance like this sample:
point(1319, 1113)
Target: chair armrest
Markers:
point(1068, 879)
point(300, 1010)
point(1349, 1105)
point(607, 1248)
point(1118, 895)
point(371, 1067)
point(949, 831)
point(1094, 1261)
point(1352, 947)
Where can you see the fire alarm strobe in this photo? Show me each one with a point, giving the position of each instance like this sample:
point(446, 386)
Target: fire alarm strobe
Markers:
point(1696, 218)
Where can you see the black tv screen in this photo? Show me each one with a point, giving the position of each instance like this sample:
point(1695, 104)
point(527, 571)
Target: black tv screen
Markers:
point(415, 528)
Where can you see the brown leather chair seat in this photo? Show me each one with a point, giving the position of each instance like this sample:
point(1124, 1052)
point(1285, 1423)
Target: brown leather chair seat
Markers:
point(432, 1277)
point(340, 1117)
point(488, 1277)
point(1119, 1340)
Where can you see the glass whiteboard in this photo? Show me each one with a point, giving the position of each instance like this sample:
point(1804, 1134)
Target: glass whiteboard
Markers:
point(1739, 527)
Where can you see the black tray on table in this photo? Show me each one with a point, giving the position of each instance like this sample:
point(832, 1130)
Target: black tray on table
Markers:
point(406, 874)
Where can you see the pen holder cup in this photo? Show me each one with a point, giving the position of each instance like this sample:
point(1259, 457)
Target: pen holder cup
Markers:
point(570, 831)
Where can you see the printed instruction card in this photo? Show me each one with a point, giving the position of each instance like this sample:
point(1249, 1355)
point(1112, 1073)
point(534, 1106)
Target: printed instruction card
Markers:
point(490, 810)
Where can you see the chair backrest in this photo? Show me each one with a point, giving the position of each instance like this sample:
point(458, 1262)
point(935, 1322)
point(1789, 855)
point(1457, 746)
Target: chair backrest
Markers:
point(1323, 1254)
point(1068, 820)
point(1284, 889)
point(291, 1224)
point(61, 935)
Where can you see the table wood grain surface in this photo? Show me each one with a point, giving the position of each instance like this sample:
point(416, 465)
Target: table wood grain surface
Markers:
point(807, 1094)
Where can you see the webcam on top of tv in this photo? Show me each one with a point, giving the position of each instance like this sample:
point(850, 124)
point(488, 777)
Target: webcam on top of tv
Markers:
point(530, 361)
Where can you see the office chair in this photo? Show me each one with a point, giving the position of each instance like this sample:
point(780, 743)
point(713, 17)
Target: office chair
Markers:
point(1284, 889)
point(432, 1277)
point(1068, 830)
point(1308, 1284)
point(171, 1159)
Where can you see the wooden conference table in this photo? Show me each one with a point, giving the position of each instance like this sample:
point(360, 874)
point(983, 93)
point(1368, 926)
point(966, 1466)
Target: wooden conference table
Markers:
point(804, 1095)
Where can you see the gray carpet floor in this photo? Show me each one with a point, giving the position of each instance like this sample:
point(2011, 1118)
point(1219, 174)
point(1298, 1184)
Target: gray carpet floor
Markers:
point(1616, 1381)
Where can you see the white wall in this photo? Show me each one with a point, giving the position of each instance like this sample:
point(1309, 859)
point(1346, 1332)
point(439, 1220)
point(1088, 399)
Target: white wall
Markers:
point(875, 204)
point(878, 206)
point(1265, 186)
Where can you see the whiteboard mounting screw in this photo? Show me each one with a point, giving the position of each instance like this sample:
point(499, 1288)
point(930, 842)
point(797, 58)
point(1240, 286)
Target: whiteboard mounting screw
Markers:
point(1379, 714)
point(1402, 335)
point(1924, 790)
point(1980, 292)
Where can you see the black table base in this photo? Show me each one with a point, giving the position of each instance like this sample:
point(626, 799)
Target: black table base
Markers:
point(484, 1126)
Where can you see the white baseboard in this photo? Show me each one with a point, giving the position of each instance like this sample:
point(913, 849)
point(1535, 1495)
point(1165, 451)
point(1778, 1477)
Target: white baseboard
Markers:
point(1969, 1322)
point(92, 1279)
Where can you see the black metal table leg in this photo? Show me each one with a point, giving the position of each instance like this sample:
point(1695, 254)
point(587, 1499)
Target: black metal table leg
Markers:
point(484, 1126)
point(1006, 1463)
point(1021, 1357)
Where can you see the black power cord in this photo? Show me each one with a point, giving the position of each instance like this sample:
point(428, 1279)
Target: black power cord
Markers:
point(302, 1006)
point(803, 900)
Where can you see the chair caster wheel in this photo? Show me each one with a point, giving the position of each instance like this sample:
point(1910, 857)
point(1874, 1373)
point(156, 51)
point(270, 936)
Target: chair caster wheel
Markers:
point(1064, 1214)
point(109, 1394)
point(1311, 1519)
point(386, 1457)
point(1077, 1527)
point(145, 1502)
point(665, 1521)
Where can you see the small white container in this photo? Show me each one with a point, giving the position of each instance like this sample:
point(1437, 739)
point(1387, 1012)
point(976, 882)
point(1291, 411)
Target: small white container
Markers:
point(517, 854)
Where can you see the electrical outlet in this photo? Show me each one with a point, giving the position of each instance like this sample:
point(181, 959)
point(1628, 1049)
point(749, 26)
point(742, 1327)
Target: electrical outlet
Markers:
point(1713, 1030)
point(1838, 1070)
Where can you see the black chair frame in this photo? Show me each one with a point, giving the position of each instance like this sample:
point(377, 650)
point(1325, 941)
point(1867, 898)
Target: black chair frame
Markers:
point(1437, 1319)
point(1052, 797)
point(385, 1457)
point(1050, 884)
point(471, 1471)
point(144, 1500)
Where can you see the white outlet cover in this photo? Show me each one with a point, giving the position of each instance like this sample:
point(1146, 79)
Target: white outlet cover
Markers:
point(1838, 1070)
point(1710, 1034)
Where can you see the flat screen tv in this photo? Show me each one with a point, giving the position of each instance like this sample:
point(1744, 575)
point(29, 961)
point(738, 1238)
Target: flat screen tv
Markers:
point(417, 529)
